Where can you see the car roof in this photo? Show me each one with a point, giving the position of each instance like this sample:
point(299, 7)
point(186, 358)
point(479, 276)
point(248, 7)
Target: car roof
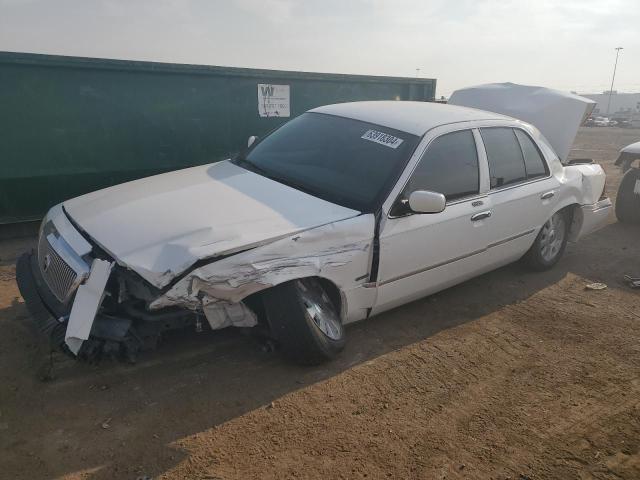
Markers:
point(412, 117)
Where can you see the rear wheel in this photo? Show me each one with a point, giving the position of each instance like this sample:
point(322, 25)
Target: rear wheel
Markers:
point(305, 321)
point(550, 243)
point(628, 198)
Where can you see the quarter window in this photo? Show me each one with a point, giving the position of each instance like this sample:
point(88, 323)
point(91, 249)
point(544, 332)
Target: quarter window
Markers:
point(506, 163)
point(533, 161)
point(449, 166)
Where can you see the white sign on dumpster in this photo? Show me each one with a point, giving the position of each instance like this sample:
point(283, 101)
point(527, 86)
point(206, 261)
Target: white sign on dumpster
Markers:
point(273, 100)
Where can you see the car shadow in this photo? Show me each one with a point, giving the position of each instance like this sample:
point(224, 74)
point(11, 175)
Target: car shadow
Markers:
point(195, 382)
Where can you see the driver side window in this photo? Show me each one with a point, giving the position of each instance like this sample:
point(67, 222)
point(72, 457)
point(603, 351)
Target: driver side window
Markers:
point(449, 166)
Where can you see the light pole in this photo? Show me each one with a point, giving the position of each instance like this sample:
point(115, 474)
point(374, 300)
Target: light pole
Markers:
point(615, 65)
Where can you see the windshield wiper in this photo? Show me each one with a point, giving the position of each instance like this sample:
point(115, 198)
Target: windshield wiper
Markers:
point(243, 162)
point(249, 165)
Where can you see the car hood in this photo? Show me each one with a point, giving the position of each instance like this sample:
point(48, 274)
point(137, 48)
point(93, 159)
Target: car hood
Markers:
point(161, 225)
point(557, 115)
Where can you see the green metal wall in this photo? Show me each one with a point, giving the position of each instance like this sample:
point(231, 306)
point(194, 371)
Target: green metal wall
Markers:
point(71, 125)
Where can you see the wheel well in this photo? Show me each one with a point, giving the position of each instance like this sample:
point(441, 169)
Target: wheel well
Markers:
point(334, 293)
point(573, 214)
point(255, 300)
point(569, 210)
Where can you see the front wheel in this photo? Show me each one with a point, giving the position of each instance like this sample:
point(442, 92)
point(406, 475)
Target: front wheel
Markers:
point(305, 321)
point(549, 244)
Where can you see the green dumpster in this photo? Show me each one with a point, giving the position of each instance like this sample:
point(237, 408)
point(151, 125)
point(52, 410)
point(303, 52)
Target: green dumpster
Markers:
point(71, 125)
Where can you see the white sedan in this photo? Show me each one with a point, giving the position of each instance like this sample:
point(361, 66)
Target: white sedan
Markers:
point(342, 213)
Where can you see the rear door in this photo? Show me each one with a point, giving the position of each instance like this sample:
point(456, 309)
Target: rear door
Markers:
point(424, 253)
point(523, 194)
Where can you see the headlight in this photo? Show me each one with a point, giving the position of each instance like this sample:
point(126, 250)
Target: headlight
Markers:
point(47, 227)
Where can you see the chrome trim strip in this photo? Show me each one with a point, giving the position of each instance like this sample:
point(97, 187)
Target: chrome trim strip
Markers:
point(426, 269)
point(442, 264)
point(507, 240)
point(606, 207)
point(470, 198)
point(603, 204)
point(519, 184)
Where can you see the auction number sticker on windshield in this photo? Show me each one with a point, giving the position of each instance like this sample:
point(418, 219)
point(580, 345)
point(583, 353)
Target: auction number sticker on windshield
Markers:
point(382, 138)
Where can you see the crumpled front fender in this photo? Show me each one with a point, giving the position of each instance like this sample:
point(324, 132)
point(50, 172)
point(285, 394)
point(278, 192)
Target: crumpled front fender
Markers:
point(339, 252)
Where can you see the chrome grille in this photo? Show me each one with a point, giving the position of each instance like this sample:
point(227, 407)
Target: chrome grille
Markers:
point(60, 277)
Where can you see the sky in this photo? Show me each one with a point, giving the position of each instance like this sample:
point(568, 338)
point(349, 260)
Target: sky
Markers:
point(568, 45)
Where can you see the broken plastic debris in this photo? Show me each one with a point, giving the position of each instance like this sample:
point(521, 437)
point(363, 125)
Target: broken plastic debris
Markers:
point(222, 314)
point(595, 286)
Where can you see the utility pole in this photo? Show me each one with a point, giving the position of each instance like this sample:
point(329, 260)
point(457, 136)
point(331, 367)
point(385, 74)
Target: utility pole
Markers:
point(615, 65)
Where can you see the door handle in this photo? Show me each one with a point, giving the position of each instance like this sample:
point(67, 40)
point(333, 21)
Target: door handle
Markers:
point(547, 195)
point(481, 216)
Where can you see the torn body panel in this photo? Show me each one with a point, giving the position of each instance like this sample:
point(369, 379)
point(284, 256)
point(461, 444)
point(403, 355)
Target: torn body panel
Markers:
point(339, 252)
point(584, 187)
point(592, 180)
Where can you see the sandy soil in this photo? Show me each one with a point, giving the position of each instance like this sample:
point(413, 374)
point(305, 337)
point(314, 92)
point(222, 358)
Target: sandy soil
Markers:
point(510, 375)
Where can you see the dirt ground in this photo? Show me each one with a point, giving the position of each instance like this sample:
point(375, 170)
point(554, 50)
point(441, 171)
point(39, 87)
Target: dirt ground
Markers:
point(512, 375)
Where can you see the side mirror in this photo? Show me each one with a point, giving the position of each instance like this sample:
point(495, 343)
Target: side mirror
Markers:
point(423, 201)
point(251, 140)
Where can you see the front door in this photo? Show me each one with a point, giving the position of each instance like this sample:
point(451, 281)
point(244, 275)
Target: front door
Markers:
point(424, 253)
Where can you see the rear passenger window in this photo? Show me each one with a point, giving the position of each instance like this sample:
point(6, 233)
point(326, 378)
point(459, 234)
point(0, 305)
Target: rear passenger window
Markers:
point(449, 166)
point(506, 163)
point(533, 161)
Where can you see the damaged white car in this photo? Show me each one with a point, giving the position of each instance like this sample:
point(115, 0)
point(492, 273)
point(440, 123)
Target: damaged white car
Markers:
point(342, 213)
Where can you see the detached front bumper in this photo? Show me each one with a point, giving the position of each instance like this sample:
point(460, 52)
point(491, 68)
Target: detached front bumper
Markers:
point(50, 317)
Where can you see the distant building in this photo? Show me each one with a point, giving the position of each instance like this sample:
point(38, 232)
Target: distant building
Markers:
point(624, 105)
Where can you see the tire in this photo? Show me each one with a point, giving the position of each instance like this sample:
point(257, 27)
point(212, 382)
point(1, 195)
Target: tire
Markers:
point(550, 243)
point(627, 200)
point(626, 165)
point(304, 321)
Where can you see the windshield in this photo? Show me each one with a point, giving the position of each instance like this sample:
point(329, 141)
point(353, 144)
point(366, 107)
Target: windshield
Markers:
point(343, 161)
